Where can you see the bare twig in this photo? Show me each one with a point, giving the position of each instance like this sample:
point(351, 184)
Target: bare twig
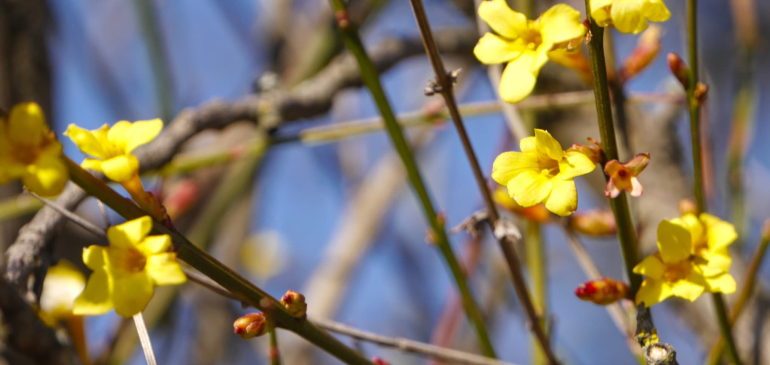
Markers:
point(144, 338)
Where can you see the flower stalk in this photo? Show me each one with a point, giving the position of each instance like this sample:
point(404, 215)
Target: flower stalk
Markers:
point(216, 270)
point(620, 208)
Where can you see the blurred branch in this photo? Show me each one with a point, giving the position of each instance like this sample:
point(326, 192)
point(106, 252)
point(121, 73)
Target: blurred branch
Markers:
point(32, 250)
point(154, 40)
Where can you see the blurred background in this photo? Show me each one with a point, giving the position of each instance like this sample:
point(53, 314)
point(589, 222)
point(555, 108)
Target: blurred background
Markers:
point(336, 220)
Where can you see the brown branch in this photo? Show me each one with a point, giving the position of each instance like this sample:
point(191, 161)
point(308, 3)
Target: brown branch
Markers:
point(31, 253)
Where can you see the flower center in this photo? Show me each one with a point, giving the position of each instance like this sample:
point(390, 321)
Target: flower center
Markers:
point(548, 167)
point(676, 272)
point(25, 154)
point(532, 38)
point(133, 261)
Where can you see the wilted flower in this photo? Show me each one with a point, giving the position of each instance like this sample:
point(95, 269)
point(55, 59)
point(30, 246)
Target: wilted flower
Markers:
point(628, 16)
point(595, 222)
point(126, 273)
point(524, 44)
point(30, 151)
point(294, 303)
point(593, 152)
point(624, 176)
point(602, 291)
point(63, 283)
point(250, 326)
point(542, 173)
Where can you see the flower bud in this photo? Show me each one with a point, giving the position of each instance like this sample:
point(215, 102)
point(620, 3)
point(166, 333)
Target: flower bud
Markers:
point(181, 197)
point(294, 303)
point(646, 50)
point(602, 291)
point(687, 206)
point(766, 230)
point(250, 326)
point(379, 361)
point(537, 213)
point(679, 69)
point(595, 222)
point(701, 92)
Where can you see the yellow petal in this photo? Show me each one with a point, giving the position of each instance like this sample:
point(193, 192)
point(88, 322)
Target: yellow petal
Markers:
point(142, 132)
point(164, 270)
point(719, 233)
point(575, 164)
point(656, 11)
point(651, 267)
point(510, 164)
point(492, 49)
point(121, 168)
point(548, 146)
point(687, 290)
point(86, 141)
point(652, 292)
point(724, 283)
point(598, 4)
point(92, 164)
point(529, 188)
point(627, 16)
point(10, 169)
point(693, 225)
point(600, 11)
point(519, 77)
point(674, 242)
point(131, 233)
point(26, 124)
point(93, 257)
point(528, 144)
point(155, 244)
point(95, 298)
point(48, 175)
point(563, 198)
point(561, 23)
point(719, 258)
point(131, 293)
point(502, 19)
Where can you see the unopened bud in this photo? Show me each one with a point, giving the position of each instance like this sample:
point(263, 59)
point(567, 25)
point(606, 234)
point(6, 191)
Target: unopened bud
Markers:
point(646, 50)
point(430, 236)
point(701, 92)
point(595, 222)
point(379, 361)
point(181, 197)
point(250, 326)
point(602, 291)
point(679, 69)
point(766, 230)
point(342, 19)
point(294, 303)
point(687, 206)
point(537, 212)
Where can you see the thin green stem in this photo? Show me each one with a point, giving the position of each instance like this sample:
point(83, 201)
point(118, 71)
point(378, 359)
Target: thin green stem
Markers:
point(371, 79)
point(746, 290)
point(152, 36)
point(272, 352)
point(217, 271)
point(620, 208)
point(538, 276)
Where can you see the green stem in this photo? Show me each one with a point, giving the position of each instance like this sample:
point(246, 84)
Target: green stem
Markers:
point(371, 80)
point(536, 262)
point(743, 298)
point(217, 271)
point(152, 36)
point(626, 233)
point(272, 352)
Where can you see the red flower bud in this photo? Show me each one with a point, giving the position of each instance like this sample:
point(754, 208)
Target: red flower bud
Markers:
point(294, 303)
point(679, 69)
point(602, 291)
point(595, 222)
point(250, 326)
point(379, 361)
point(688, 206)
point(646, 49)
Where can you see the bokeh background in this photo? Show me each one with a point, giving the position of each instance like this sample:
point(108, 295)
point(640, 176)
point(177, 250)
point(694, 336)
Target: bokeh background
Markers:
point(292, 213)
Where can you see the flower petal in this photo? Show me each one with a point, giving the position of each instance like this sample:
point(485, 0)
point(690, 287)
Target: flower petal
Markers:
point(131, 293)
point(492, 49)
point(651, 267)
point(652, 292)
point(627, 16)
point(638, 163)
point(519, 77)
point(153, 245)
point(510, 164)
point(95, 298)
point(93, 257)
point(563, 198)
point(636, 188)
point(687, 290)
point(529, 188)
point(48, 175)
point(502, 19)
point(528, 144)
point(656, 11)
point(600, 11)
point(719, 258)
point(131, 233)
point(121, 168)
point(574, 164)
point(92, 164)
point(86, 141)
point(719, 234)
point(674, 242)
point(611, 190)
point(694, 225)
point(561, 23)
point(142, 132)
point(724, 283)
point(548, 146)
point(26, 124)
point(164, 270)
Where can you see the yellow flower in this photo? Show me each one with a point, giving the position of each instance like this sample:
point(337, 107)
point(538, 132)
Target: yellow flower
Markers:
point(524, 44)
point(126, 273)
point(674, 271)
point(63, 283)
point(628, 16)
point(30, 151)
point(112, 146)
point(542, 172)
point(711, 237)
